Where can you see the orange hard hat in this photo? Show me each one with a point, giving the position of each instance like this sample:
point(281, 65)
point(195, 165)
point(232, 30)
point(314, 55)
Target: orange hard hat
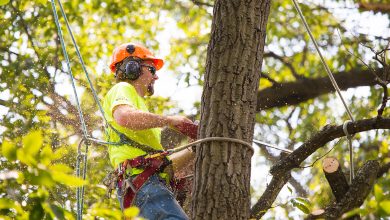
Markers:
point(133, 50)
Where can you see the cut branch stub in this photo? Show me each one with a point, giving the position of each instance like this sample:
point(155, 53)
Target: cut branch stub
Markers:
point(356, 194)
point(335, 177)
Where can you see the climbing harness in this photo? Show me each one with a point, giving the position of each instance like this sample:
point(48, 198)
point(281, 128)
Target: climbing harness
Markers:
point(124, 140)
point(151, 164)
point(334, 83)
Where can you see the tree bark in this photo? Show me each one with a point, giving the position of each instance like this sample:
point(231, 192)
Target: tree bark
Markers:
point(336, 178)
point(235, 52)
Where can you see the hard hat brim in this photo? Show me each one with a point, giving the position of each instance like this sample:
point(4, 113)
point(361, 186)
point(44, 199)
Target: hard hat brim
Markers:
point(159, 63)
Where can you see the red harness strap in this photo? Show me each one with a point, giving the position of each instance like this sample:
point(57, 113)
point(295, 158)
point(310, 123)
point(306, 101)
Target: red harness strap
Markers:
point(150, 165)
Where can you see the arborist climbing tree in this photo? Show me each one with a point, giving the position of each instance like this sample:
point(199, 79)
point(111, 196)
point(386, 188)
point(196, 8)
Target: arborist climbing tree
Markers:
point(32, 75)
point(139, 167)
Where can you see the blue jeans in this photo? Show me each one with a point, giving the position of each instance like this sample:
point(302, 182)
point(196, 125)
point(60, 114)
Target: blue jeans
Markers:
point(156, 201)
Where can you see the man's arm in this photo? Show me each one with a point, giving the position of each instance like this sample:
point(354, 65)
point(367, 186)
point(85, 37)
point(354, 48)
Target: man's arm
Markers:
point(135, 119)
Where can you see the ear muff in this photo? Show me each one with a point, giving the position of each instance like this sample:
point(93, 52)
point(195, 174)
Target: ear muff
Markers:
point(133, 70)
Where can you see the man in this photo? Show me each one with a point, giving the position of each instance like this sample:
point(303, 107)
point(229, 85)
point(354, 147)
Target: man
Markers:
point(135, 71)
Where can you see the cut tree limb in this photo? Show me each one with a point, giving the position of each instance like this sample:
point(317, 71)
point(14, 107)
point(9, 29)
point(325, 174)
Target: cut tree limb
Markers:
point(357, 193)
point(335, 176)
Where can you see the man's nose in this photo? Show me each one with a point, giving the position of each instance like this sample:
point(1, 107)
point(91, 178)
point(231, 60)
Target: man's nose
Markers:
point(155, 77)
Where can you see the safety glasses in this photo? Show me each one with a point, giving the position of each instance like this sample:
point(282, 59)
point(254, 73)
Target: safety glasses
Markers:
point(151, 69)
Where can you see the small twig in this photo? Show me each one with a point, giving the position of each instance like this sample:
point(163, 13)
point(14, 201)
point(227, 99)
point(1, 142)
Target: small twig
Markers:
point(199, 3)
point(357, 57)
point(304, 53)
point(274, 83)
point(380, 56)
point(285, 62)
point(385, 98)
point(319, 158)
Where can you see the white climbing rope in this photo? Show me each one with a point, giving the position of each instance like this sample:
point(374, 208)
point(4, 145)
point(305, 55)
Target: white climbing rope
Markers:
point(334, 83)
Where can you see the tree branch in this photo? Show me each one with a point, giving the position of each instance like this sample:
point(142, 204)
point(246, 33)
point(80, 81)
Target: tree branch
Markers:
point(285, 61)
point(281, 171)
point(375, 7)
point(199, 3)
point(294, 182)
point(265, 76)
point(269, 195)
point(5, 103)
point(293, 93)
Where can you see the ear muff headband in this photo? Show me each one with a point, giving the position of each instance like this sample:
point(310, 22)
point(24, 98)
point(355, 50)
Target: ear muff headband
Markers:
point(133, 67)
point(130, 68)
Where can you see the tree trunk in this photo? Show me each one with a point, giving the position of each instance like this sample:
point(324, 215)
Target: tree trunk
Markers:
point(235, 52)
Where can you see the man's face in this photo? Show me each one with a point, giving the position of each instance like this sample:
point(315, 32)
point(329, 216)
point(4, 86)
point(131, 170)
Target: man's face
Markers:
point(148, 76)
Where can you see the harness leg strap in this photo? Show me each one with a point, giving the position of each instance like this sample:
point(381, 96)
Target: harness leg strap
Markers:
point(153, 167)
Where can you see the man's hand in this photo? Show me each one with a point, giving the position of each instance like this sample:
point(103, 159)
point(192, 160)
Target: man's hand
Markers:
point(173, 121)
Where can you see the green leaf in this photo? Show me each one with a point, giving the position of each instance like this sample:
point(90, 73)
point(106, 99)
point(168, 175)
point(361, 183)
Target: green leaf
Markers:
point(68, 180)
point(37, 211)
point(32, 143)
point(378, 192)
point(46, 155)
point(3, 2)
point(289, 188)
point(60, 153)
point(43, 2)
point(384, 147)
point(6, 203)
point(131, 212)
point(356, 211)
point(25, 157)
point(303, 201)
point(58, 211)
point(8, 149)
point(300, 206)
point(43, 178)
point(107, 213)
point(20, 178)
point(61, 168)
point(303, 208)
point(385, 205)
